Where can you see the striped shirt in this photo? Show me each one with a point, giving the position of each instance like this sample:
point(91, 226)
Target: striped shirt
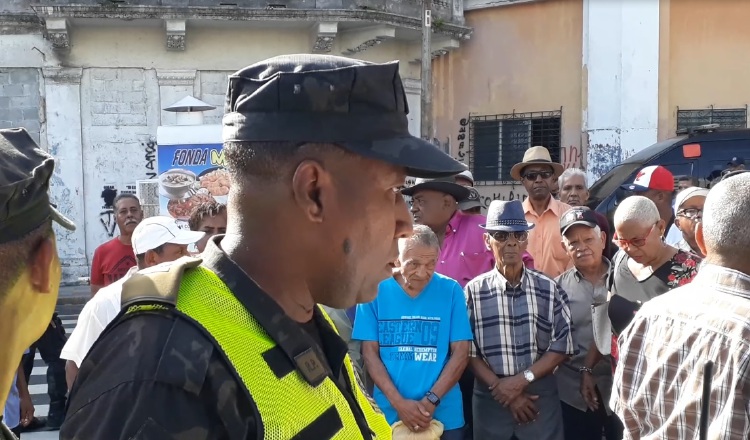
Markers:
point(514, 326)
point(658, 382)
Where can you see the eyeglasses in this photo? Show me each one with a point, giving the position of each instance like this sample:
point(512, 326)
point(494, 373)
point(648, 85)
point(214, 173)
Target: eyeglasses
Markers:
point(637, 242)
point(534, 174)
point(503, 236)
point(691, 213)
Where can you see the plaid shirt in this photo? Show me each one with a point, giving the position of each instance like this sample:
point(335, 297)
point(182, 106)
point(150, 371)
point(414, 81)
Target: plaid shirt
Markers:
point(659, 379)
point(514, 326)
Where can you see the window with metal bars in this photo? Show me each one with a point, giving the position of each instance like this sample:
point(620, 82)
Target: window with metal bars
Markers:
point(497, 142)
point(725, 117)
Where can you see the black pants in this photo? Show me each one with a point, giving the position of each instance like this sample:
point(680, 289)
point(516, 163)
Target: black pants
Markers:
point(466, 383)
point(589, 425)
point(50, 345)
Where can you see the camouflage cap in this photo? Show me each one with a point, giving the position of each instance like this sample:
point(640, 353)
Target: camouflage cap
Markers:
point(358, 105)
point(25, 172)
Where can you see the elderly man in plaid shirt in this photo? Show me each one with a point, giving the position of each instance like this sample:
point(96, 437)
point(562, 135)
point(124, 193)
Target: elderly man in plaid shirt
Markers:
point(522, 332)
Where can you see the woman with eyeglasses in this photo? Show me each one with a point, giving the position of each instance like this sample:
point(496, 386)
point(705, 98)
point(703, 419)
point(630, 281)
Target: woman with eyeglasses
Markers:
point(646, 266)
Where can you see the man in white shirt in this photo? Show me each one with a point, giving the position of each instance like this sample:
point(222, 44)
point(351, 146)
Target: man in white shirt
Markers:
point(155, 240)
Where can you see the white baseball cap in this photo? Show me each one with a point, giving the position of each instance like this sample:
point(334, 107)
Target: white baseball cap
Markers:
point(156, 231)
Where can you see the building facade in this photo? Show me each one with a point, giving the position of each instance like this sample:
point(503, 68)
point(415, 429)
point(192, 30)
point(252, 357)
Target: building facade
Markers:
point(89, 78)
point(592, 80)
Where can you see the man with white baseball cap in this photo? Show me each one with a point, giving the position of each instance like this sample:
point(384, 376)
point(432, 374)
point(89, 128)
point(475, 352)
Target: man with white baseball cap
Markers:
point(155, 240)
point(689, 207)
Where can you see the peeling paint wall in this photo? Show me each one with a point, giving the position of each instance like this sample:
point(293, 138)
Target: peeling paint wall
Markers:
point(621, 81)
point(521, 58)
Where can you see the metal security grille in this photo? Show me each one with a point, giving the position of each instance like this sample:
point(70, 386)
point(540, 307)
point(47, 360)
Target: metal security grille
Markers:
point(497, 142)
point(725, 117)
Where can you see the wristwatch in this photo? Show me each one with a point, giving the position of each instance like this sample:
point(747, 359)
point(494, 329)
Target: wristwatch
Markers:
point(585, 369)
point(529, 376)
point(432, 398)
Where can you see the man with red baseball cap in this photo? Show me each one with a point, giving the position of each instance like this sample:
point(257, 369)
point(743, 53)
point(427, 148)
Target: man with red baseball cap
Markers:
point(655, 182)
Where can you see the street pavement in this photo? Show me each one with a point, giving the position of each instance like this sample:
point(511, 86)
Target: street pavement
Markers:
point(38, 382)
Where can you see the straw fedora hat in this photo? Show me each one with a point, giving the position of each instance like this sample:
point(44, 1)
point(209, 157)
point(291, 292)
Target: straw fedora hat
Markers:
point(433, 432)
point(536, 156)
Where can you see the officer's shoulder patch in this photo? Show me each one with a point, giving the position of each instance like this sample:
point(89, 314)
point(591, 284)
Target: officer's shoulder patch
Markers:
point(157, 284)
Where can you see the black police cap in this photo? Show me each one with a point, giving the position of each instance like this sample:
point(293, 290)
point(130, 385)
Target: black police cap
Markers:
point(25, 172)
point(358, 105)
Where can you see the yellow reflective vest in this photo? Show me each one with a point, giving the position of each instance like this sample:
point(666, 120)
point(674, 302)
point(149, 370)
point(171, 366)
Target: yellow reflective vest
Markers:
point(289, 406)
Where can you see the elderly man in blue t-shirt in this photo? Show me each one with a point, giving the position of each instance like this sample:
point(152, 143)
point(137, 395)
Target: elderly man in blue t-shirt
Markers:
point(416, 340)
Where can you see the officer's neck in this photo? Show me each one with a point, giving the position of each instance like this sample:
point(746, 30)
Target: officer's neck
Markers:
point(273, 268)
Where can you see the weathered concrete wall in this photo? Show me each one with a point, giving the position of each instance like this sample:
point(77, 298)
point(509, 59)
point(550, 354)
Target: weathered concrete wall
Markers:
point(521, 58)
point(103, 107)
point(702, 61)
point(20, 100)
point(620, 82)
point(119, 115)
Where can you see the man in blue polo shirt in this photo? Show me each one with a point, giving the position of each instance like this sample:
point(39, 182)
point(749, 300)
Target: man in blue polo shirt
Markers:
point(416, 337)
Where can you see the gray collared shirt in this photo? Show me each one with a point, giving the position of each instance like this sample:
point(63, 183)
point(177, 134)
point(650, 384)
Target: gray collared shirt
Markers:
point(582, 294)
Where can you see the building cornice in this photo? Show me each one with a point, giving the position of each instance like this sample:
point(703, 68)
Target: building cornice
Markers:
point(176, 77)
point(246, 14)
point(62, 75)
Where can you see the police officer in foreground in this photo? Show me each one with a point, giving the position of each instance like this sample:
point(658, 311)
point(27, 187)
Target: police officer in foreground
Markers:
point(235, 346)
point(30, 269)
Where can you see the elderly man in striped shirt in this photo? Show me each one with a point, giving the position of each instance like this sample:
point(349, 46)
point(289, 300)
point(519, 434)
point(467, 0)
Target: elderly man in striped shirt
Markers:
point(522, 332)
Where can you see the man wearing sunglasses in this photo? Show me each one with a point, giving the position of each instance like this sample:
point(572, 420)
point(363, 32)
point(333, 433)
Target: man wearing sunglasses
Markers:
point(538, 174)
point(689, 206)
point(522, 330)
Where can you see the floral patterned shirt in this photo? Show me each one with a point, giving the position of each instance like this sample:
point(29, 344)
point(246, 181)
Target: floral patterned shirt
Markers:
point(628, 294)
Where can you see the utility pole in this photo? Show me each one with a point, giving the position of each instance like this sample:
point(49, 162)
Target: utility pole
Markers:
point(426, 104)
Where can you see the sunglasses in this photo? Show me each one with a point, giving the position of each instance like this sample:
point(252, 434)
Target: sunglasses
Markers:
point(503, 236)
point(533, 175)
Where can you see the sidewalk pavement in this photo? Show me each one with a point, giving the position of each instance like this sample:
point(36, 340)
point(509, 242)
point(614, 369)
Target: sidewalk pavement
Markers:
point(74, 295)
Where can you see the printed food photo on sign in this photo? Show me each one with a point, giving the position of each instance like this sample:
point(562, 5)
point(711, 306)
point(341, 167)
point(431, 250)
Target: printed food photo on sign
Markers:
point(188, 176)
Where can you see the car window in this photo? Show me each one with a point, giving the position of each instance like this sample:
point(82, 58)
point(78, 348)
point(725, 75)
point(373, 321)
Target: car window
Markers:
point(716, 154)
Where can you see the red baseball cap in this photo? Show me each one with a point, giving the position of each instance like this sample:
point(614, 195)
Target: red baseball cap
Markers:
point(652, 177)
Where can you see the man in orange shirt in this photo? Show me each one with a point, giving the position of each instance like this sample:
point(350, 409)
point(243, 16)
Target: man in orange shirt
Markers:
point(538, 173)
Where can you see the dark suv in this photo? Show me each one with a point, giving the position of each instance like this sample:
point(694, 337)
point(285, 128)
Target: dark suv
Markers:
point(702, 154)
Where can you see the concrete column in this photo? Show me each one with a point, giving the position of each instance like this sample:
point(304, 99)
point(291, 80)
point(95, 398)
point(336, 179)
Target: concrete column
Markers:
point(620, 80)
point(62, 90)
point(173, 86)
point(413, 90)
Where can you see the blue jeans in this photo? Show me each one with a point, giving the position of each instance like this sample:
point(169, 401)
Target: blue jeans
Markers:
point(453, 434)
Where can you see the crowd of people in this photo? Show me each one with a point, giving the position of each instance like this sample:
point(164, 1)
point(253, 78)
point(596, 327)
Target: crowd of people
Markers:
point(325, 300)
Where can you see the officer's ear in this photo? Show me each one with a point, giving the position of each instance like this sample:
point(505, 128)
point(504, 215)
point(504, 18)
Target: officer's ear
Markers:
point(40, 265)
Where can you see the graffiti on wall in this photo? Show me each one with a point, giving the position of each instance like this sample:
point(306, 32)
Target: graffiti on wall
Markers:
point(107, 214)
point(462, 152)
point(149, 147)
point(510, 193)
point(571, 157)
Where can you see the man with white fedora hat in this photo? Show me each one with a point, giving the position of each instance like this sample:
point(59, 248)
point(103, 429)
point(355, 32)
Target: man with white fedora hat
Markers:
point(522, 330)
point(538, 173)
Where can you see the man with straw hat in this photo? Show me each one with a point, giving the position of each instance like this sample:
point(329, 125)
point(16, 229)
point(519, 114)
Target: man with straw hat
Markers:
point(537, 172)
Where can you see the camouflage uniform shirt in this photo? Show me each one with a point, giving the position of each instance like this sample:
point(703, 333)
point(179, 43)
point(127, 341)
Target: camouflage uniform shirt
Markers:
point(156, 375)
